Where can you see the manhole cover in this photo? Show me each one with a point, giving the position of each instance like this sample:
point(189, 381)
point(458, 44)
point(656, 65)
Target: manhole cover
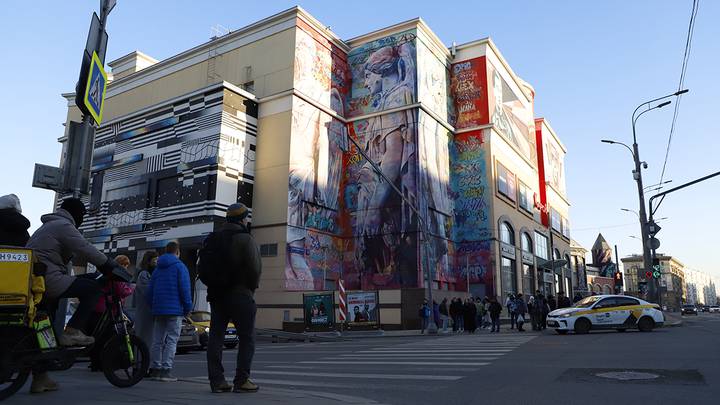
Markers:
point(628, 375)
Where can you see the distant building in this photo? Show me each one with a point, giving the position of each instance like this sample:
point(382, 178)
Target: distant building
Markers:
point(700, 288)
point(672, 280)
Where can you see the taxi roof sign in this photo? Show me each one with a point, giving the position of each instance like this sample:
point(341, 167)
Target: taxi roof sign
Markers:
point(94, 97)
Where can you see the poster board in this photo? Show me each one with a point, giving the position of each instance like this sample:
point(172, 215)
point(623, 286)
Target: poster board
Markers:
point(319, 311)
point(363, 310)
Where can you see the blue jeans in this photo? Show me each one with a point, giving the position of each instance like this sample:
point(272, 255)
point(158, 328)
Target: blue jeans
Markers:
point(166, 332)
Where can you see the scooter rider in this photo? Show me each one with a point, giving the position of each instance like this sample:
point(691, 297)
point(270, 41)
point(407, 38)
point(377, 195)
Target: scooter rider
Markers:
point(55, 243)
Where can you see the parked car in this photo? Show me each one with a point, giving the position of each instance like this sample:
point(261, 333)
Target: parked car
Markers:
point(617, 312)
point(714, 308)
point(189, 338)
point(201, 320)
point(705, 308)
point(688, 309)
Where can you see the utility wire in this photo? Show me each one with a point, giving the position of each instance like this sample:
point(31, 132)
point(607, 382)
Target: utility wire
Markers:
point(683, 70)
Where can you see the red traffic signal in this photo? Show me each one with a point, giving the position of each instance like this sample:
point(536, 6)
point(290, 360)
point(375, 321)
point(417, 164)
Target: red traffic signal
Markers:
point(648, 275)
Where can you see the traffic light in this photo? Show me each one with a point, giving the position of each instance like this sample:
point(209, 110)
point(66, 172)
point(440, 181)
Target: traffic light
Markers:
point(648, 275)
point(618, 279)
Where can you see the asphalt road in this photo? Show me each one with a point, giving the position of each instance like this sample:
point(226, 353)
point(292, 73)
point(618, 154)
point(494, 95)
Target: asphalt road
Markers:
point(677, 365)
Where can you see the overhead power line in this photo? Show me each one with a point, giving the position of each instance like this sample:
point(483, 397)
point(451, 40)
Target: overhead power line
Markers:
point(683, 70)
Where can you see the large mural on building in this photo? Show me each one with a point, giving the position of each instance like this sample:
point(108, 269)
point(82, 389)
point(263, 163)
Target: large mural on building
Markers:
point(433, 82)
point(471, 191)
point(512, 116)
point(314, 251)
point(554, 165)
point(469, 93)
point(320, 69)
point(435, 199)
point(384, 74)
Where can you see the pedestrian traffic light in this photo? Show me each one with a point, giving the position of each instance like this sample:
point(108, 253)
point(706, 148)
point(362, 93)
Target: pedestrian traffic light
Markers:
point(648, 275)
point(618, 279)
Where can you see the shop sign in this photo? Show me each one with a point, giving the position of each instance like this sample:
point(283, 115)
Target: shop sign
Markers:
point(507, 250)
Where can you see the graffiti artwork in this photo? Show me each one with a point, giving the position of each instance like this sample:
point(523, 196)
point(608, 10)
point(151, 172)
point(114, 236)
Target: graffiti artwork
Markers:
point(472, 191)
point(511, 116)
point(468, 87)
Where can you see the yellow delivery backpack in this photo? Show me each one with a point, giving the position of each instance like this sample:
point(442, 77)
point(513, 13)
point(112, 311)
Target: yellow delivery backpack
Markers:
point(20, 290)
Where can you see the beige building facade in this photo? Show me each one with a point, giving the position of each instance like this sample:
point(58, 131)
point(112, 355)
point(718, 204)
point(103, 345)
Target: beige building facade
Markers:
point(365, 160)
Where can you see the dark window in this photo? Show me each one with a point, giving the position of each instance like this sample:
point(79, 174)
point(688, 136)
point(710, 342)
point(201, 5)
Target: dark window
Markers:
point(525, 197)
point(623, 301)
point(606, 303)
point(268, 250)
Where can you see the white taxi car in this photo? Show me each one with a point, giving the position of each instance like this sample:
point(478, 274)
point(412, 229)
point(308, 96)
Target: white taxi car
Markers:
point(618, 312)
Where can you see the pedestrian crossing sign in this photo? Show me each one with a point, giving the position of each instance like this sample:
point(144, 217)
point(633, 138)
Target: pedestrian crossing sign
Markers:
point(94, 98)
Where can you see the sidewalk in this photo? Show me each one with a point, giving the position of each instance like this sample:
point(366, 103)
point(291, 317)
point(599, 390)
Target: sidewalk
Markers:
point(79, 387)
point(673, 319)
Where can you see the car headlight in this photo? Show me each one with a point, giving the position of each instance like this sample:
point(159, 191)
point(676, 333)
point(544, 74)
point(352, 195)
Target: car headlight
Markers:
point(565, 316)
point(207, 330)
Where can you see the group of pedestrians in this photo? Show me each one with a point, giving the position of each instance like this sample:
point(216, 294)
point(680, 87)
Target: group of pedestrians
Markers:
point(161, 292)
point(475, 314)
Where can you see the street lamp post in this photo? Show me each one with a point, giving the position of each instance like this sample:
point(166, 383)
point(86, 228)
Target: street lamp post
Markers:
point(637, 176)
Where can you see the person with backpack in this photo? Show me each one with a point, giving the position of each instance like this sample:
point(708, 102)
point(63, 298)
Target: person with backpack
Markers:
point(170, 299)
point(230, 267)
point(424, 314)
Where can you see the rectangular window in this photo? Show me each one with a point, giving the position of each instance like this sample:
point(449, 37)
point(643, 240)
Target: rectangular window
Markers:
point(565, 227)
point(555, 220)
point(526, 200)
point(509, 278)
point(506, 182)
point(541, 246)
point(528, 275)
point(268, 250)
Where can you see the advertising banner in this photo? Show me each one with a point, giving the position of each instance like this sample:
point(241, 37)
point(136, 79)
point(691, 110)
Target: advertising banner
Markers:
point(319, 311)
point(363, 309)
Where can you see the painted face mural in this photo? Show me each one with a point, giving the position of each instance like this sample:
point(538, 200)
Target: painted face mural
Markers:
point(512, 117)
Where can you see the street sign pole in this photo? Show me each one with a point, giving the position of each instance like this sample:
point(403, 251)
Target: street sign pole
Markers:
point(74, 174)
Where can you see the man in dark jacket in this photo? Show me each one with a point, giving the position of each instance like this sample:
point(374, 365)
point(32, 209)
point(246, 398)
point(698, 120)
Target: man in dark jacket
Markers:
point(170, 300)
point(55, 244)
point(495, 309)
point(235, 302)
point(13, 225)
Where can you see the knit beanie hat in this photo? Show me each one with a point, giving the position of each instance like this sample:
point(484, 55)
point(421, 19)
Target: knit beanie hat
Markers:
point(237, 212)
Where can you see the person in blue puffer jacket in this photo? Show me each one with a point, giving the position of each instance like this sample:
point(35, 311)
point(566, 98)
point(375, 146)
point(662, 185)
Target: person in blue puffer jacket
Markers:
point(170, 300)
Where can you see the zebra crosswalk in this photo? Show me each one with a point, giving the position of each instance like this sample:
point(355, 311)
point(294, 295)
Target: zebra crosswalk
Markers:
point(411, 364)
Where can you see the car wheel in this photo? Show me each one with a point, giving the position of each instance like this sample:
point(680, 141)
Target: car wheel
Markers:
point(621, 330)
point(646, 324)
point(561, 332)
point(582, 326)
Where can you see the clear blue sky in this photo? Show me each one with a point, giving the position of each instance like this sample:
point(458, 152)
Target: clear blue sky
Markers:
point(591, 63)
